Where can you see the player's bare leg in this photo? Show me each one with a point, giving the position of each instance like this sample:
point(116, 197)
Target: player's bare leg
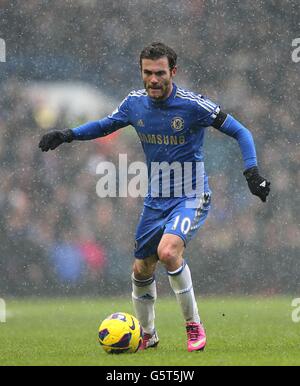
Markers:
point(170, 252)
point(144, 295)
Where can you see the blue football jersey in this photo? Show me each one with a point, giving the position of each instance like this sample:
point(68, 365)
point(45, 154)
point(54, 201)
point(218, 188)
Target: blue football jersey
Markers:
point(170, 131)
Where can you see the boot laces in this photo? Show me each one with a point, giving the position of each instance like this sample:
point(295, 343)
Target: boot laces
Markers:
point(193, 331)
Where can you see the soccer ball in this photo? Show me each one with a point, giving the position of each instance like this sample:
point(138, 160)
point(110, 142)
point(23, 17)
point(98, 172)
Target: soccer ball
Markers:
point(120, 333)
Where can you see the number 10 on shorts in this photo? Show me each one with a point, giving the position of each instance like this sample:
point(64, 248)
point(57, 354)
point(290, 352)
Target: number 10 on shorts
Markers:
point(185, 224)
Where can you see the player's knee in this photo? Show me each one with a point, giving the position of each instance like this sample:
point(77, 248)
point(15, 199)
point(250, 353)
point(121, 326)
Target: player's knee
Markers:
point(167, 255)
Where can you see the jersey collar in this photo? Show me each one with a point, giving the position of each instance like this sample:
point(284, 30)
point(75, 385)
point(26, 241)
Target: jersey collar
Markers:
point(166, 102)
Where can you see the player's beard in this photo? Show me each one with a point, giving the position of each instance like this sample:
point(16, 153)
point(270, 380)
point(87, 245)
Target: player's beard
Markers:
point(164, 89)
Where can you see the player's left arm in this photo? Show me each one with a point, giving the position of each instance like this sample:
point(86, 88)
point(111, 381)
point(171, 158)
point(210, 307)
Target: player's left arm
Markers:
point(258, 185)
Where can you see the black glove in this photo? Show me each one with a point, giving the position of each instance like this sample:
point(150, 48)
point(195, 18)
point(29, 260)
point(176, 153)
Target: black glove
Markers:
point(52, 140)
point(258, 185)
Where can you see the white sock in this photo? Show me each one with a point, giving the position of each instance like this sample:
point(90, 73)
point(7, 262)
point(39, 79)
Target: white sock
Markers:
point(144, 295)
point(181, 283)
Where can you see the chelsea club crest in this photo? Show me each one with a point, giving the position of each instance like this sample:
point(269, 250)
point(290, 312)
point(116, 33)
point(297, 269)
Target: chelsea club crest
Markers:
point(177, 124)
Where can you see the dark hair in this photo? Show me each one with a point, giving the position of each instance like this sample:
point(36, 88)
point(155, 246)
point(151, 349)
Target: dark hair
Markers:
point(157, 51)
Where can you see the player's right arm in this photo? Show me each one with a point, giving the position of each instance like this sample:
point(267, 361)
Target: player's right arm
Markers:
point(92, 130)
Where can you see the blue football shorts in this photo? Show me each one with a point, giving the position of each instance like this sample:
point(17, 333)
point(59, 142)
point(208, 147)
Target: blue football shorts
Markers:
point(178, 220)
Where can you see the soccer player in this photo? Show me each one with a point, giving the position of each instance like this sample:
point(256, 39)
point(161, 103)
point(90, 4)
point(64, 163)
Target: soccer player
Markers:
point(171, 123)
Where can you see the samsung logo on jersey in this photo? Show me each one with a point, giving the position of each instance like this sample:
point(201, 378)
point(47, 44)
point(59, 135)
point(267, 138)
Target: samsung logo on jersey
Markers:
point(158, 139)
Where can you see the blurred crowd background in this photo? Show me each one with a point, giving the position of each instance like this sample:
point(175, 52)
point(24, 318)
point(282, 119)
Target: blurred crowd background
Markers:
point(56, 235)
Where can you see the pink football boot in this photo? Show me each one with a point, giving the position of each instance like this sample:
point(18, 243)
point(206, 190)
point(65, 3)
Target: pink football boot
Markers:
point(196, 337)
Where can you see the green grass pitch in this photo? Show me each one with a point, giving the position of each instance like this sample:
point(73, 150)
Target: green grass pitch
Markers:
point(241, 331)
